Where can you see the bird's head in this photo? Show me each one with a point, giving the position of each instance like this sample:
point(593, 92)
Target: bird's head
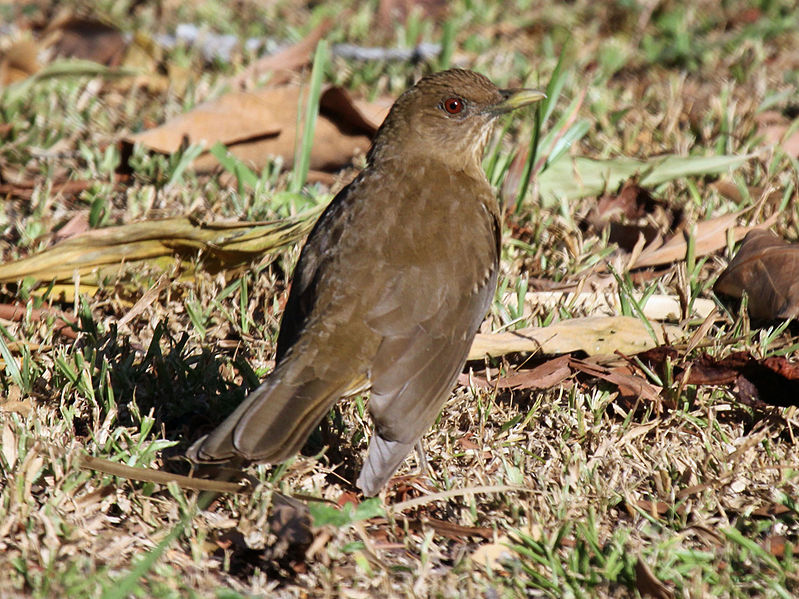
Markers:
point(448, 117)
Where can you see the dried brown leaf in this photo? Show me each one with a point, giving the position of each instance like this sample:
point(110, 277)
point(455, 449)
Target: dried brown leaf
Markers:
point(771, 510)
point(770, 381)
point(18, 312)
point(87, 39)
point(593, 335)
point(76, 225)
point(232, 118)
point(777, 130)
point(709, 236)
point(648, 584)
point(19, 62)
point(629, 385)
point(775, 545)
point(631, 202)
point(259, 125)
point(544, 376)
point(632, 213)
point(766, 268)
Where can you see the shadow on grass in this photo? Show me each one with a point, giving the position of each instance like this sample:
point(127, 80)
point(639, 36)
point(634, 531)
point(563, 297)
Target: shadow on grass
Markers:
point(183, 388)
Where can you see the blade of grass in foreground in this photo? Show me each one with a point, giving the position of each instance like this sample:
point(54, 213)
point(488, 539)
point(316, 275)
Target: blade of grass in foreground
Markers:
point(543, 112)
point(302, 154)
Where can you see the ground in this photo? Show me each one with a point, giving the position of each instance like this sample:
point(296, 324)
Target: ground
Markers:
point(576, 485)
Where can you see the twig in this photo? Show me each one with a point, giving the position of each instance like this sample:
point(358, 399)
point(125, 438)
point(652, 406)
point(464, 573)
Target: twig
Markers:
point(158, 476)
point(482, 489)
point(423, 51)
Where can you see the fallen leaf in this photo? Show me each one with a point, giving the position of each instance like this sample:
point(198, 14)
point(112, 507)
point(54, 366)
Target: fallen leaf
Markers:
point(19, 62)
point(63, 321)
point(465, 442)
point(777, 130)
point(731, 191)
point(775, 545)
point(630, 214)
point(707, 370)
point(766, 268)
point(629, 385)
point(235, 117)
point(709, 236)
point(87, 39)
point(771, 510)
point(102, 253)
point(572, 178)
point(75, 226)
point(347, 497)
point(592, 335)
point(770, 381)
point(632, 201)
point(648, 584)
point(544, 376)
point(256, 126)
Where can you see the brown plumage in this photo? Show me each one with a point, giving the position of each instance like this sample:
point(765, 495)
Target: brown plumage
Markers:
point(391, 286)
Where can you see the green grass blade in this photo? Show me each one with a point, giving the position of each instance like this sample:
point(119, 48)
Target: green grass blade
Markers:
point(303, 151)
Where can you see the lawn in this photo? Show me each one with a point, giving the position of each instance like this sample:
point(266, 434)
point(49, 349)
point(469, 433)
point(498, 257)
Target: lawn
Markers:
point(639, 441)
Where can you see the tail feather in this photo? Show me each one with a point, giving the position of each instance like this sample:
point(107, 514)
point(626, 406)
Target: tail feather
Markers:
point(271, 424)
point(382, 460)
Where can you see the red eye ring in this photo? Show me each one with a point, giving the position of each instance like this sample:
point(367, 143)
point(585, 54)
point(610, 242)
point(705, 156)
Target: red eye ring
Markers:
point(453, 105)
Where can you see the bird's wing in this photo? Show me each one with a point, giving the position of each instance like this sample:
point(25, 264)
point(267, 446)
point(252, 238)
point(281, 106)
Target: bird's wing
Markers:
point(444, 273)
point(314, 259)
point(414, 369)
point(427, 318)
point(416, 365)
point(324, 350)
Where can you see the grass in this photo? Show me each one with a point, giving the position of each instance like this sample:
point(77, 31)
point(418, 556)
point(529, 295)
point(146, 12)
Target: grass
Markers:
point(703, 496)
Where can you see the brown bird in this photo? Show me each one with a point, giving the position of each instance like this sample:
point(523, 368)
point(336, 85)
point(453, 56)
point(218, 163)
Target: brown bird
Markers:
point(391, 286)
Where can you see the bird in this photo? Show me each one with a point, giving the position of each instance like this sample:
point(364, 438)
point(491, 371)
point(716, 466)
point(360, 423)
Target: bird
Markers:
point(391, 286)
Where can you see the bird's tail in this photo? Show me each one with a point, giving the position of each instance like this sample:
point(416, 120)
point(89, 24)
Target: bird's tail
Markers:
point(272, 423)
point(382, 459)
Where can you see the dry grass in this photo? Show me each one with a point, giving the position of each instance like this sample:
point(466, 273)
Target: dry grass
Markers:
point(704, 494)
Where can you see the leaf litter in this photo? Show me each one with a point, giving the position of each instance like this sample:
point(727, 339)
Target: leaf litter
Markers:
point(588, 457)
point(766, 270)
point(259, 126)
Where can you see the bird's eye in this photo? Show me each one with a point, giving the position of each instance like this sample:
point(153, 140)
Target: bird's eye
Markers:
point(453, 105)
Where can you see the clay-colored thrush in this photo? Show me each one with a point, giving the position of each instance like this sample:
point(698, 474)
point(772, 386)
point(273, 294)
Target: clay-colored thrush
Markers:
point(391, 286)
